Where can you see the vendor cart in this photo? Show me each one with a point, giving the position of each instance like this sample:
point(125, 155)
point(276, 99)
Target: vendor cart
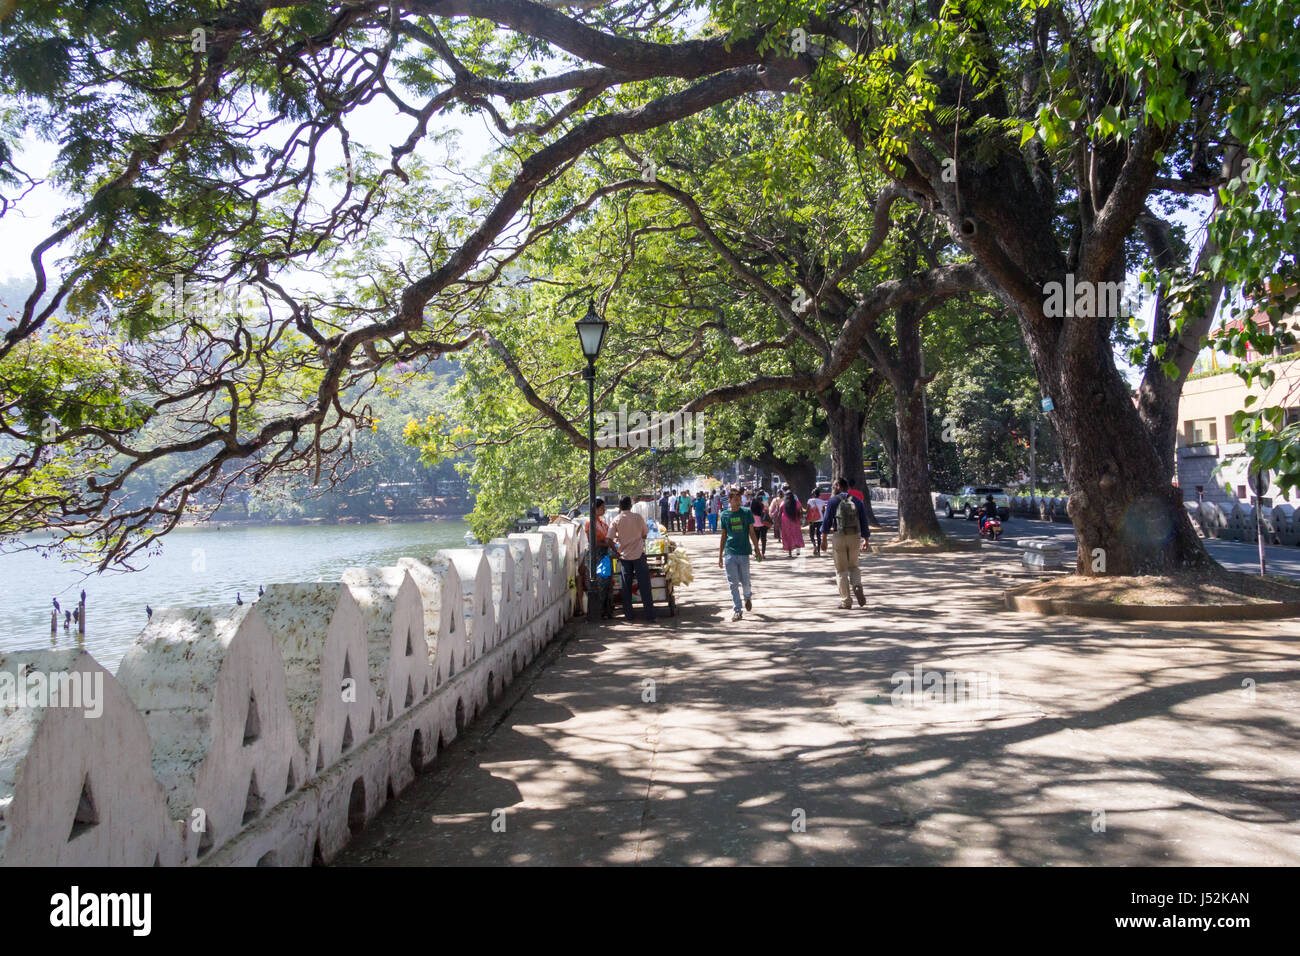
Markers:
point(661, 589)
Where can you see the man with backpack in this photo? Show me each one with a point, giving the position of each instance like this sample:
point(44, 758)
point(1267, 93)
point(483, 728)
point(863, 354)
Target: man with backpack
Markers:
point(844, 528)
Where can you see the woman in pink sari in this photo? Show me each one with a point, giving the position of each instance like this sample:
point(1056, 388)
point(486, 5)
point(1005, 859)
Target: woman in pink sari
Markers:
point(790, 517)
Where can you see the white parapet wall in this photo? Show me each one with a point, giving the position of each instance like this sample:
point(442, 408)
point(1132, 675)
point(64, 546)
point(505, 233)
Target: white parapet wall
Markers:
point(444, 620)
point(76, 787)
point(269, 733)
point(501, 563)
point(210, 683)
point(476, 587)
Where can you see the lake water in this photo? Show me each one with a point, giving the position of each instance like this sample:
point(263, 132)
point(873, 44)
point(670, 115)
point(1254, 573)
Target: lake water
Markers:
point(197, 566)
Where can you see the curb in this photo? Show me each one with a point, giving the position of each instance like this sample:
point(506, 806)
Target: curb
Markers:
point(1015, 600)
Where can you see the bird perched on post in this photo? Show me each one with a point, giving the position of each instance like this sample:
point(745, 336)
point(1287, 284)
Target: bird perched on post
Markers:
point(148, 611)
point(259, 590)
point(239, 600)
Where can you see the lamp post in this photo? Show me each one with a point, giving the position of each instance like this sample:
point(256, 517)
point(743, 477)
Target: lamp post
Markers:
point(591, 334)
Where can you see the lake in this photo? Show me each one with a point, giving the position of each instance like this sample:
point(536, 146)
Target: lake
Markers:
point(197, 566)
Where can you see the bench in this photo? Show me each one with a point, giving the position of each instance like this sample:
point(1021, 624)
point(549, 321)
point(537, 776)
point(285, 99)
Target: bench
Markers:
point(1040, 554)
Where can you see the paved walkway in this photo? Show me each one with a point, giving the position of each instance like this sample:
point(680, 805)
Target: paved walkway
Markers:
point(776, 739)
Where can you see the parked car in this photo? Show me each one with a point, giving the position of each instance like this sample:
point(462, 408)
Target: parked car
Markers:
point(969, 499)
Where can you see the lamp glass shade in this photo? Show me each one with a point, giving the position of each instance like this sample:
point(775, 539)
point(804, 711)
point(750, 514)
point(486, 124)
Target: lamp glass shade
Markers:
point(591, 333)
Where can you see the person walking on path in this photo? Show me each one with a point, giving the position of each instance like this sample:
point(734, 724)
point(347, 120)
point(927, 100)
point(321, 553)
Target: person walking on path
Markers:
point(758, 509)
point(627, 534)
point(683, 509)
point(790, 520)
point(848, 519)
point(664, 512)
point(736, 543)
point(814, 516)
point(715, 509)
point(701, 506)
point(773, 512)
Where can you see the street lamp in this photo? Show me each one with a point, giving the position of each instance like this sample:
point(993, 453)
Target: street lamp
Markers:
point(591, 333)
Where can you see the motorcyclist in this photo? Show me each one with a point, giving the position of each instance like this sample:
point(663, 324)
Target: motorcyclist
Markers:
point(988, 509)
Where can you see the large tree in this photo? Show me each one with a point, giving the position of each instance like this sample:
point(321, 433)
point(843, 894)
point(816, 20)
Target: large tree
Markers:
point(1036, 132)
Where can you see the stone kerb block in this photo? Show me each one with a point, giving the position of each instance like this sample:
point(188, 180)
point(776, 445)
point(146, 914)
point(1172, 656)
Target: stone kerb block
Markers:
point(320, 633)
point(1288, 531)
point(1204, 517)
point(509, 608)
point(444, 621)
point(560, 585)
point(546, 579)
point(476, 588)
point(523, 554)
point(76, 785)
point(210, 684)
point(1242, 521)
point(444, 615)
point(392, 608)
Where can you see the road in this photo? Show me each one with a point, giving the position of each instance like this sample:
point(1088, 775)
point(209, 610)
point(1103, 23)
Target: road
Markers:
point(1234, 555)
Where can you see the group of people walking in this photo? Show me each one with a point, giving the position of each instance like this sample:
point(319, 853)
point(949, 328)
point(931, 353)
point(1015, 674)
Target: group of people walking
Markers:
point(838, 525)
point(690, 513)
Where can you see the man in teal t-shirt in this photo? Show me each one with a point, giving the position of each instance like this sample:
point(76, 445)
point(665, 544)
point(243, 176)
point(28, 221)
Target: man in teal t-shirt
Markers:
point(737, 543)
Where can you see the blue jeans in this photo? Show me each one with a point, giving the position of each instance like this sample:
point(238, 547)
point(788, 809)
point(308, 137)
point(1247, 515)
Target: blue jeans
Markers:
point(641, 568)
point(737, 567)
point(713, 521)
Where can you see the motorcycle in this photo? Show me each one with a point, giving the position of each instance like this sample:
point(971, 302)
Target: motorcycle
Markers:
point(991, 527)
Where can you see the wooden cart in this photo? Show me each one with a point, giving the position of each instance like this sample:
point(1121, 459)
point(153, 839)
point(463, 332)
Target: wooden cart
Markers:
point(661, 589)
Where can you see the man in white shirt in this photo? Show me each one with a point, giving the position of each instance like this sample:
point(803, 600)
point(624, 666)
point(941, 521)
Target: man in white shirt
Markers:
point(645, 509)
point(627, 534)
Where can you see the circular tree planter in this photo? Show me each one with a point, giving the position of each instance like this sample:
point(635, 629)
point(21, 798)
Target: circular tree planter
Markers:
point(1272, 599)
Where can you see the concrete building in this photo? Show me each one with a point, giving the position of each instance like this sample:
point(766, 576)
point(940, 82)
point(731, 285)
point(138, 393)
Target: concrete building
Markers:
point(1212, 463)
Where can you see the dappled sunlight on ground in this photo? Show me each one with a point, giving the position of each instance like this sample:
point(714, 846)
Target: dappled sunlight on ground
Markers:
point(795, 737)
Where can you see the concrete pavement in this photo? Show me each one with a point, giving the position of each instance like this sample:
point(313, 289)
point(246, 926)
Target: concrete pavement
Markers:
point(788, 738)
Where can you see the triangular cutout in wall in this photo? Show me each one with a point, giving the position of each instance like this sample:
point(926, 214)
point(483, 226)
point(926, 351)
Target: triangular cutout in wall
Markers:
point(87, 815)
point(252, 723)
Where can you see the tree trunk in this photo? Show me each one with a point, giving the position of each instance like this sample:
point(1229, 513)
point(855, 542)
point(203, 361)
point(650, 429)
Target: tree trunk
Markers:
point(906, 376)
point(1128, 517)
point(800, 475)
point(916, 517)
point(1159, 394)
point(846, 445)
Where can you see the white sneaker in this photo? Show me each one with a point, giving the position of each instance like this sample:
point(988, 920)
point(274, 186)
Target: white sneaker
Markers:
point(735, 616)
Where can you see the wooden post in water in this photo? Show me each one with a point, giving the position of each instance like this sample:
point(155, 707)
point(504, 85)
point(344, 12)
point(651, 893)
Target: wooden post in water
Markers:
point(81, 615)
